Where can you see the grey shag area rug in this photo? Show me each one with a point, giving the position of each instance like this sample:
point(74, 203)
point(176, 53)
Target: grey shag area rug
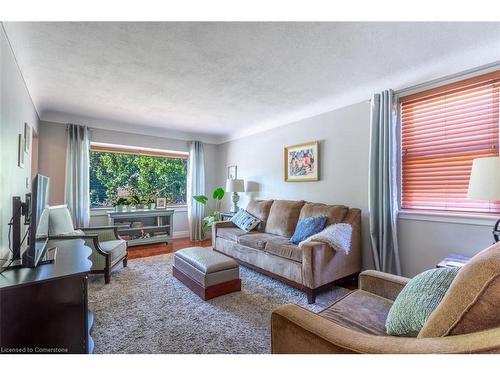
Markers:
point(146, 310)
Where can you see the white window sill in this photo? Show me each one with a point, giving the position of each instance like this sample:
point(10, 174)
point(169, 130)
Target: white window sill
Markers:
point(103, 211)
point(449, 217)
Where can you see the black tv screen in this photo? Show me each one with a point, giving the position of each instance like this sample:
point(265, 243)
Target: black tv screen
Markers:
point(38, 221)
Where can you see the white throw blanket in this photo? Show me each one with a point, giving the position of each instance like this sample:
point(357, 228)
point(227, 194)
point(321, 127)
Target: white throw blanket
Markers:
point(337, 236)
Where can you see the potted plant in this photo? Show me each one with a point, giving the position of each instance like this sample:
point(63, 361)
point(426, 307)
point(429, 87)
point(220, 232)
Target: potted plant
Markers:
point(150, 203)
point(135, 202)
point(121, 204)
point(217, 195)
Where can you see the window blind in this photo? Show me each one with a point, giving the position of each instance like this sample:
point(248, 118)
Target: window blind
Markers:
point(443, 130)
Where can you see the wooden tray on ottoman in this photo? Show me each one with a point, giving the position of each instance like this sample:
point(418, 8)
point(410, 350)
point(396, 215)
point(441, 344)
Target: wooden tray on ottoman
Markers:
point(207, 273)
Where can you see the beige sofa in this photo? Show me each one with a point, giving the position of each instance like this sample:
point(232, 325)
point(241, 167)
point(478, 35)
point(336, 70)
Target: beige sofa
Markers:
point(309, 268)
point(466, 321)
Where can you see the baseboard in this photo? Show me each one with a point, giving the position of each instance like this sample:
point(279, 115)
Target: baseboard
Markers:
point(181, 234)
point(185, 234)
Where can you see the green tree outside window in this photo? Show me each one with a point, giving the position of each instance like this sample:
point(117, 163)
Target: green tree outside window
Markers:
point(114, 175)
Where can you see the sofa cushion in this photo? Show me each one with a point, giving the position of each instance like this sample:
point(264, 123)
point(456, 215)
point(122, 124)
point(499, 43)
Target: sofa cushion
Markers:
point(231, 234)
point(361, 311)
point(244, 220)
point(308, 226)
point(260, 209)
point(334, 213)
point(282, 247)
point(283, 217)
point(256, 240)
point(472, 302)
point(418, 299)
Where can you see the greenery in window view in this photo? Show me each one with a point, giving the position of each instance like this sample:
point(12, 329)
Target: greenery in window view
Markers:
point(140, 179)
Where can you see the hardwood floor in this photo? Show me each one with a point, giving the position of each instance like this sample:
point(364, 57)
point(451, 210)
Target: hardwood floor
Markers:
point(135, 252)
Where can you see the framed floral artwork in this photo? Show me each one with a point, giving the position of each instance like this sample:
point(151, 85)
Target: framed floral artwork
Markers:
point(302, 162)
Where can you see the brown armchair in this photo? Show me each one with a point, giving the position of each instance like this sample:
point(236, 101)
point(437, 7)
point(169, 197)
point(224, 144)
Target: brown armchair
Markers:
point(466, 321)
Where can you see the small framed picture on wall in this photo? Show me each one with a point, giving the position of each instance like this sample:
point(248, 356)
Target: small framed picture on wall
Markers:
point(20, 151)
point(161, 202)
point(232, 172)
point(27, 137)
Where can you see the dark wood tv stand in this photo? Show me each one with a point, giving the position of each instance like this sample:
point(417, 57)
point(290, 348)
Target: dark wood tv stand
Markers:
point(45, 309)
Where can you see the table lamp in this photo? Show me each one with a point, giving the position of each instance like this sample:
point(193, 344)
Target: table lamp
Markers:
point(235, 186)
point(484, 184)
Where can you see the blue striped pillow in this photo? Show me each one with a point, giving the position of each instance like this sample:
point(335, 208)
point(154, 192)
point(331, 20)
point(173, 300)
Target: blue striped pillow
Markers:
point(243, 220)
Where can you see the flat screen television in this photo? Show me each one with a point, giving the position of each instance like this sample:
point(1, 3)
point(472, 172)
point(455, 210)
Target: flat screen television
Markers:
point(37, 217)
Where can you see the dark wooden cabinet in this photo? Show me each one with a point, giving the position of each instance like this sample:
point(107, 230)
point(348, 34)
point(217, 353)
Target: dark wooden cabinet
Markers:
point(45, 309)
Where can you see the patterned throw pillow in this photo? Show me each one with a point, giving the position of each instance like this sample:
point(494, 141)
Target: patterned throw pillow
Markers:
point(308, 226)
point(243, 220)
point(418, 299)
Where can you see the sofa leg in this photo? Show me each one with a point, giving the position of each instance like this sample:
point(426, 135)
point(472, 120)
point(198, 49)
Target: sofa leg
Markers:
point(311, 296)
point(107, 276)
point(125, 261)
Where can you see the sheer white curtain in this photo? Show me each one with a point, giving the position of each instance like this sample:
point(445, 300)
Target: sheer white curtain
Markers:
point(196, 186)
point(383, 190)
point(76, 194)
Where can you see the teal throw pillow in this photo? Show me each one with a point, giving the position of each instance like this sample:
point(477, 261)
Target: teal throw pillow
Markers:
point(418, 299)
point(245, 221)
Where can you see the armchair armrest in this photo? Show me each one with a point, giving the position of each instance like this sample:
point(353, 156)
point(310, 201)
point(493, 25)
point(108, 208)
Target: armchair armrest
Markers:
point(91, 240)
point(296, 330)
point(60, 237)
point(382, 284)
point(104, 233)
point(99, 227)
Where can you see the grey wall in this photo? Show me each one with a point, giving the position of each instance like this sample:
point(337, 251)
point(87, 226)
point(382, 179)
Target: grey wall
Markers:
point(52, 161)
point(16, 108)
point(424, 243)
point(343, 136)
point(344, 139)
point(52, 146)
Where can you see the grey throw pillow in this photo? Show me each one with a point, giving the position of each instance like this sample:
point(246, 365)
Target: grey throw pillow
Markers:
point(417, 301)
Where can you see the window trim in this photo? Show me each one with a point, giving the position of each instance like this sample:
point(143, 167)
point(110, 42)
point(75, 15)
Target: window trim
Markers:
point(466, 218)
point(475, 218)
point(132, 150)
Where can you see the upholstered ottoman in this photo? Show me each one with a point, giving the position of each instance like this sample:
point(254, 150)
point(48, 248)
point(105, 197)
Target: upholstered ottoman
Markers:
point(206, 272)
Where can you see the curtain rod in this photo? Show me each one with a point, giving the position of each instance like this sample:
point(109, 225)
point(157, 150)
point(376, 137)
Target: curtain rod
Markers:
point(439, 81)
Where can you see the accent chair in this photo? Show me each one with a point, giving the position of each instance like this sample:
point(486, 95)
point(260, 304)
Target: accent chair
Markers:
point(108, 249)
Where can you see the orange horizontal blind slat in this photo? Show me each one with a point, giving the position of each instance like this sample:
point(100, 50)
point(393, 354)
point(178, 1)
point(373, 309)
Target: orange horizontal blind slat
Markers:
point(442, 133)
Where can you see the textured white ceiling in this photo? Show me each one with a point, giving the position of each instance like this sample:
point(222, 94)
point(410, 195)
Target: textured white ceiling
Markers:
point(225, 80)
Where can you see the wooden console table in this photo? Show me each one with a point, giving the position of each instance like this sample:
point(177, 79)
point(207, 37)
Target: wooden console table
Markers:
point(140, 227)
point(45, 309)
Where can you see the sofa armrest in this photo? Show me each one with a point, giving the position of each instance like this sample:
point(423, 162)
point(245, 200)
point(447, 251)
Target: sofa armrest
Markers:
point(296, 330)
point(382, 284)
point(322, 265)
point(217, 225)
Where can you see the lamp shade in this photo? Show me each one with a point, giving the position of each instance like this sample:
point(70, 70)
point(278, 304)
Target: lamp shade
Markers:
point(484, 183)
point(235, 185)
